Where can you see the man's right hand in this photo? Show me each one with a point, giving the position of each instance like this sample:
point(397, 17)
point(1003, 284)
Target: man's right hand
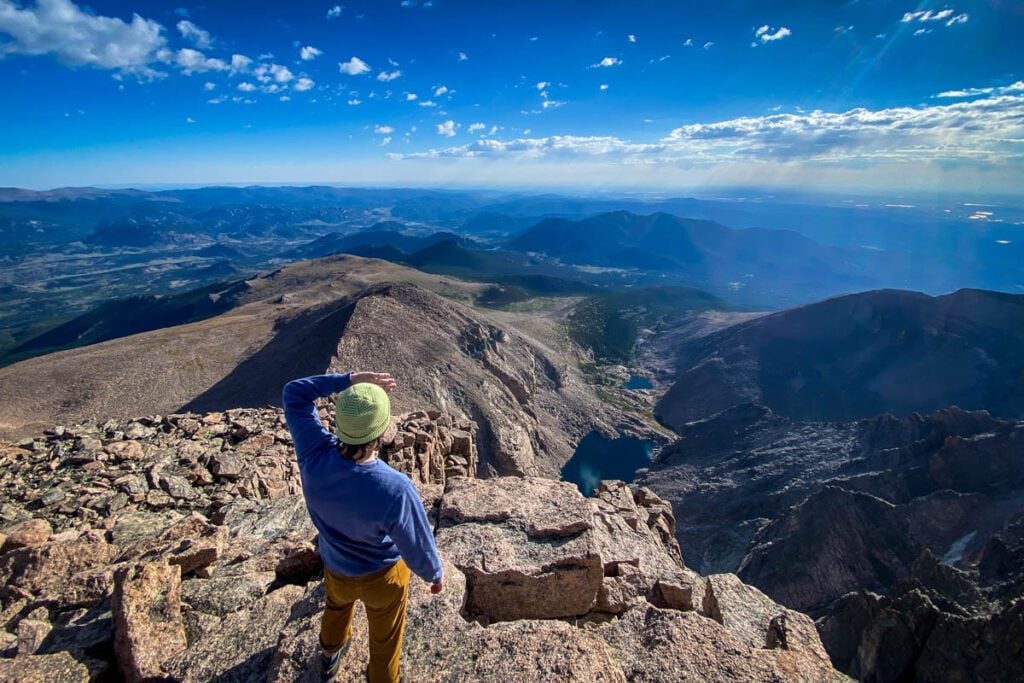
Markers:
point(436, 588)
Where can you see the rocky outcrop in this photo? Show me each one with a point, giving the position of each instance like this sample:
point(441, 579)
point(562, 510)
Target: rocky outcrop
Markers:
point(836, 518)
point(541, 583)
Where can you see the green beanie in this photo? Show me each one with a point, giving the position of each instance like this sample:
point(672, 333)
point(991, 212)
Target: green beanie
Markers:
point(363, 413)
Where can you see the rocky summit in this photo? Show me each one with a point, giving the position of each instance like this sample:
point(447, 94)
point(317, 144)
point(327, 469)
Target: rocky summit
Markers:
point(178, 548)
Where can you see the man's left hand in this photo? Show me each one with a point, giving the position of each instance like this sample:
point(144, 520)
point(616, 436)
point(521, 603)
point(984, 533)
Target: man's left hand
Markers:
point(382, 379)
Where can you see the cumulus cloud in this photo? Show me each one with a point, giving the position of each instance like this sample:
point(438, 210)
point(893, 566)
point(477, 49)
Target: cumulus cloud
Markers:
point(303, 84)
point(631, 38)
point(474, 127)
point(410, 96)
point(542, 85)
point(440, 90)
point(708, 45)
point(463, 57)
point(265, 73)
point(193, 61)
point(354, 102)
point(354, 67)
point(308, 52)
point(767, 34)
point(606, 62)
point(76, 38)
point(239, 64)
point(193, 33)
point(427, 103)
point(982, 132)
point(335, 12)
point(447, 129)
point(383, 130)
point(208, 86)
point(604, 86)
point(386, 76)
point(246, 86)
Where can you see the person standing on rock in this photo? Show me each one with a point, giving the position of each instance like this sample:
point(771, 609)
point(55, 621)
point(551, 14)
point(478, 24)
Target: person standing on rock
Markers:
point(373, 529)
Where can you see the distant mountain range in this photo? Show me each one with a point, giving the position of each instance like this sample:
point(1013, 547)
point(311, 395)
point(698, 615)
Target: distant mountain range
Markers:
point(859, 355)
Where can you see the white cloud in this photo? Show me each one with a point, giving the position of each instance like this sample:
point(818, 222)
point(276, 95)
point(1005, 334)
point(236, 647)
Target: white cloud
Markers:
point(447, 129)
point(604, 86)
point(708, 45)
point(767, 34)
point(688, 42)
point(534, 39)
point(928, 15)
point(76, 38)
point(246, 86)
point(208, 86)
point(947, 16)
point(631, 38)
point(542, 85)
point(551, 104)
point(190, 120)
point(239, 64)
point(386, 76)
point(463, 57)
point(383, 130)
point(440, 90)
point(410, 96)
point(265, 73)
point(474, 127)
point(973, 92)
point(979, 133)
point(193, 33)
point(427, 103)
point(304, 84)
point(334, 12)
point(606, 62)
point(308, 52)
point(385, 142)
point(285, 98)
point(922, 31)
point(354, 102)
point(193, 61)
point(354, 67)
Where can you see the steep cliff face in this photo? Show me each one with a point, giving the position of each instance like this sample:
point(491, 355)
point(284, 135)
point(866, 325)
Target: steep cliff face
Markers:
point(179, 548)
point(923, 512)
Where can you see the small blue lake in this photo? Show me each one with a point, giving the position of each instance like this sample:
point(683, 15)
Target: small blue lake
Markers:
point(637, 382)
point(598, 458)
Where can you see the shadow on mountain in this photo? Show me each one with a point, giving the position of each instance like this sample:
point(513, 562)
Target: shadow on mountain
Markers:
point(301, 346)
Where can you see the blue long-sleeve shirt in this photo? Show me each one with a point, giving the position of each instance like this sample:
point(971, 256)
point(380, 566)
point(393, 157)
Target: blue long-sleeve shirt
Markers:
point(368, 514)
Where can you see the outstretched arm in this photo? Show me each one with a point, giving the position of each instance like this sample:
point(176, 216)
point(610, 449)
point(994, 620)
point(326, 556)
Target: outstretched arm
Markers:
point(300, 412)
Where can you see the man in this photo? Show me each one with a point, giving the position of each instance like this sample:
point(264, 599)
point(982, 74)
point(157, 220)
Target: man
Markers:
point(372, 525)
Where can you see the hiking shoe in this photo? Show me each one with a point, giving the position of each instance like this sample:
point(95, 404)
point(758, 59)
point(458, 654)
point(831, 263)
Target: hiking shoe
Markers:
point(329, 665)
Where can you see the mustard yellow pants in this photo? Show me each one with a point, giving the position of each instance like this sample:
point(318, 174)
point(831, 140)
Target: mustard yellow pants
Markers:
point(385, 595)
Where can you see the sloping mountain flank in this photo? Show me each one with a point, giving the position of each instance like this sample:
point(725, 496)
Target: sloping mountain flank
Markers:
point(185, 553)
point(531, 405)
point(904, 537)
point(854, 356)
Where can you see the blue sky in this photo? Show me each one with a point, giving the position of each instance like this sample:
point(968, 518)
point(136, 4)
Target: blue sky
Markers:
point(861, 95)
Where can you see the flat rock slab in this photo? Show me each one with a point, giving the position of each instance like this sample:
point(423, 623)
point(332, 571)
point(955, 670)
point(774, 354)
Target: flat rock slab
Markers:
point(540, 507)
point(56, 668)
point(526, 547)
